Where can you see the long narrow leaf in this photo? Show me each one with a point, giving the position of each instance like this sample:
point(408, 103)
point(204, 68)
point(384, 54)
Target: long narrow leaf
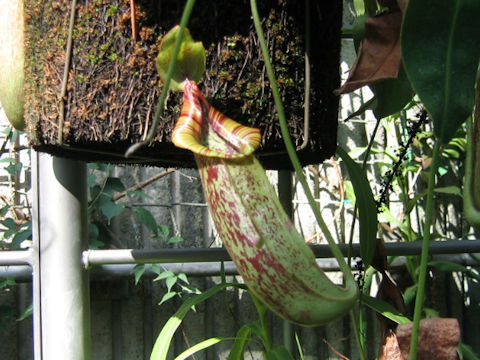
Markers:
point(162, 344)
point(367, 209)
point(198, 347)
point(385, 309)
point(241, 341)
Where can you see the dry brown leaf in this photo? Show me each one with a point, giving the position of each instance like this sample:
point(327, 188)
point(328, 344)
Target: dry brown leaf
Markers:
point(379, 55)
point(438, 339)
point(390, 349)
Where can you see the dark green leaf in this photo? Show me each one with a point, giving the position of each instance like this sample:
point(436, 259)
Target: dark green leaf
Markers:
point(241, 341)
point(109, 208)
point(138, 271)
point(112, 185)
point(367, 209)
point(147, 219)
point(385, 309)
point(391, 95)
point(279, 353)
point(449, 266)
point(21, 236)
point(466, 353)
point(440, 51)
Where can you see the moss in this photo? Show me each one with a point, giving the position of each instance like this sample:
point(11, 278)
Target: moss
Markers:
point(113, 87)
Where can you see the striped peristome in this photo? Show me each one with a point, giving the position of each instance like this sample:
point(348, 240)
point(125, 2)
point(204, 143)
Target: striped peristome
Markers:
point(197, 115)
point(272, 257)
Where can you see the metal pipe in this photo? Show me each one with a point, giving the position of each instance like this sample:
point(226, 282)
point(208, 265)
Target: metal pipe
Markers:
point(60, 229)
point(16, 257)
point(23, 273)
point(132, 256)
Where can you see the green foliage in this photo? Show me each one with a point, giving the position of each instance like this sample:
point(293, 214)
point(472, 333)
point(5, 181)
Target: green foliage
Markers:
point(190, 62)
point(441, 61)
point(367, 209)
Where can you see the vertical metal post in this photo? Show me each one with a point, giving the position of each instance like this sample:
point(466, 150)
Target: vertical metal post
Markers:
point(61, 288)
point(285, 194)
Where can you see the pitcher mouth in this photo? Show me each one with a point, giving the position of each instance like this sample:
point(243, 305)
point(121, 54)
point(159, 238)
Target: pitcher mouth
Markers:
point(207, 132)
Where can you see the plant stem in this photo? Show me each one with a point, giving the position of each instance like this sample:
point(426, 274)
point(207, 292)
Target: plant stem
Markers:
point(291, 149)
point(424, 255)
point(354, 316)
point(261, 310)
point(187, 11)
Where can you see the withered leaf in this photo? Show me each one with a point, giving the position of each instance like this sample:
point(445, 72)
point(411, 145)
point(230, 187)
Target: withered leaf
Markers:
point(379, 55)
point(390, 350)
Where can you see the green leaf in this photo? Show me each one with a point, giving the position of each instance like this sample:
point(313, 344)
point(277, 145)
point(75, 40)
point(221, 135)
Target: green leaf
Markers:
point(113, 185)
point(167, 296)
point(391, 95)
point(162, 344)
point(190, 62)
point(138, 271)
point(183, 277)
point(164, 275)
point(385, 309)
point(28, 312)
point(466, 353)
point(279, 353)
point(9, 281)
point(175, 240)
point(109, 208)
point(449, 266)
point(450, 190)
point(147, 219)
point(170, 281)
point(164, 230)
point(197, 347)
point(440, 51)
point(367, 209)
point(241, 341)
point(21, 236)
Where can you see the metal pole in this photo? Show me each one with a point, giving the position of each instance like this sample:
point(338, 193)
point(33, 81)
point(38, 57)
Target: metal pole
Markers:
point(285, 194)
point(132, 256)
point(60, 234)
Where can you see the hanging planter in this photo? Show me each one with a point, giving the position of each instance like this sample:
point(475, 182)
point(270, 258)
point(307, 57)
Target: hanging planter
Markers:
point(93, 100)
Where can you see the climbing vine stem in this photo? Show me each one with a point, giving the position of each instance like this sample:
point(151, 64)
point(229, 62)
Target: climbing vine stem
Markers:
point(187, 11)
point(417, 315)
point(291, 149)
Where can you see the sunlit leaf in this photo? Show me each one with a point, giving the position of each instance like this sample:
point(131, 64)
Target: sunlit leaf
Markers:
point(198, 347)
point(162, 344)
point(190, 62)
